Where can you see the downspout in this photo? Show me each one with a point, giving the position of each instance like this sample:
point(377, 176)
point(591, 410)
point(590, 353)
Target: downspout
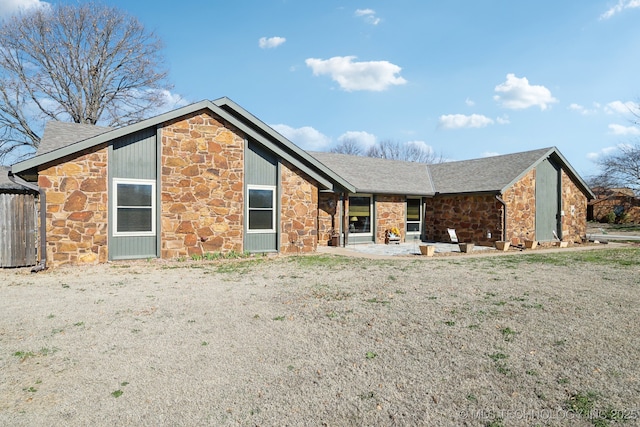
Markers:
point(43, 219)
point(504, 217)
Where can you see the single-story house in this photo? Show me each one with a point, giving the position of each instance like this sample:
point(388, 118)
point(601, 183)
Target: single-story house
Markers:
point(212, 177)
point(533, 195)
point(614, 205)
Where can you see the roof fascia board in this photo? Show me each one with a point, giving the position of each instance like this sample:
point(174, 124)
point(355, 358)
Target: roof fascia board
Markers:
point(469, 193)
point(394, 193)
point(564, 164)
point(273, 147)
point(88, 143)
point(224, 101)
point(527, 170)
point(574, 175)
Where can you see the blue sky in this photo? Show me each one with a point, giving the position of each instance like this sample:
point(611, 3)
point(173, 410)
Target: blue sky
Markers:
point(466, 78)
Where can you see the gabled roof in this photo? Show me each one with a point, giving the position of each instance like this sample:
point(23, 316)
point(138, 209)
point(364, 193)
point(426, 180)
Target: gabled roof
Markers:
point(486, 175)
point(497, 173)
point(67, 142)
point(60, 134)
point(380, 176)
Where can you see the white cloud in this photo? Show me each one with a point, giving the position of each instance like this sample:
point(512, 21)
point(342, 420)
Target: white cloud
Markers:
point(363, 138)
point(271, 42)
point(422, 145)
point(624, 130)
point(583, 110)
point(351, 75)
point(489, 154)
point(622, 5)
point(503, 120)
point(605, 151)
point(369, 16)
point(458, 121)
point(518, 94)
point(469, 102)
point(8, 7)
point(173, 99)
point(305, 137)
point(622, 107)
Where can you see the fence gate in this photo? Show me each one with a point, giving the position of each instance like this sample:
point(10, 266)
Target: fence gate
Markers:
point(18, 225)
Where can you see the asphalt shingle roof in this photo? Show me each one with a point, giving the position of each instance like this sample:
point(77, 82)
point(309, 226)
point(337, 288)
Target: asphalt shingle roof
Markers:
point(60, 134)
point(373, 175)
point(488, 174)
point(382, 176)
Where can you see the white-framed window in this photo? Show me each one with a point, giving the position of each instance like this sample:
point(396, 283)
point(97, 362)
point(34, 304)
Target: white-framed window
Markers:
point(360, 209)
point(134, 207)
point(414, 211)
point(261, 208)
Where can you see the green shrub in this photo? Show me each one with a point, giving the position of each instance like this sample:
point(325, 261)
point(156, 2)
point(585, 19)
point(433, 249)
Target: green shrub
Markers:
point(610, 218)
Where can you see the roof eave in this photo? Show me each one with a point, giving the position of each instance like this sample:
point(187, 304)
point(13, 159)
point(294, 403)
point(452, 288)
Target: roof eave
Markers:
point(290, 154)
point(469, 193)
point(224, 101)
point(565, 165)
point(88, 143)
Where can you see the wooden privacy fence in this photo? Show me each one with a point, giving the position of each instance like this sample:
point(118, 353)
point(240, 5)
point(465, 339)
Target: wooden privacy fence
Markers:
point(18, 230)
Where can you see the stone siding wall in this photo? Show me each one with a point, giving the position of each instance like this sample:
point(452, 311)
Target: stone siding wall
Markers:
point(472, 216)
point(630, 206)
point(520, 199)
point(298, 211)
point(77, 209)
point(574, 204)
point(202, 186)
point(389, 213)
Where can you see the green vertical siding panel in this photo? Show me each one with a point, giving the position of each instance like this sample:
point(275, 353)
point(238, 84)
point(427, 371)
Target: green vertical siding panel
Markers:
point(261, 168)
point(133, 156)
point(547, 201)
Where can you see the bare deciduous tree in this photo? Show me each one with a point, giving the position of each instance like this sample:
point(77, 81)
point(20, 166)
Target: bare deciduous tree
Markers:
point(348, 146)
point(410, 152)
point(620, 169)
point(85, 63)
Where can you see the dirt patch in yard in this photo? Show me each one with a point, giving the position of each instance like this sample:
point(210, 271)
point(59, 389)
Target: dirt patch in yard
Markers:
point(539, 339)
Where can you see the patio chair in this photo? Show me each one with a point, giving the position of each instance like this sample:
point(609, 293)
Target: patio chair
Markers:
point(452, 235)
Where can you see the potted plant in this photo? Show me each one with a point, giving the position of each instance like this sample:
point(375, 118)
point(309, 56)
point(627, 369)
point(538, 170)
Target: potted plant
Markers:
point(465, 247)
point(335, 237)
point(502, 245)
point(530, 244)
point(392, 235)
point(427, 250)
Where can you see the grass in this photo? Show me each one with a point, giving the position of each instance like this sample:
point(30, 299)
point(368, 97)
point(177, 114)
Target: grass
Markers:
point(499, 363)
point(375, 300)
point(324, 261)
point(620, 257)
point(508, 334)
point(477, 331)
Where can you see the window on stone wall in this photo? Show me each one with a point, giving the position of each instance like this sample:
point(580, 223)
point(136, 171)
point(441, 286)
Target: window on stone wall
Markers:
point(135, 207)
point(413, 215)
point(360, 214)
point(261, 208)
